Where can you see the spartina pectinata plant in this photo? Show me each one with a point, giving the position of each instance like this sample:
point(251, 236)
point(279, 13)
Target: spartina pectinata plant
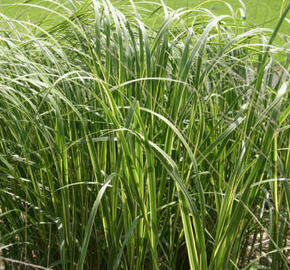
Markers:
point(125, 146)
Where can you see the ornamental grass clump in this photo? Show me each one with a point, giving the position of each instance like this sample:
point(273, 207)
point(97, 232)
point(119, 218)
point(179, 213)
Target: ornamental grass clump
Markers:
point(129, 146)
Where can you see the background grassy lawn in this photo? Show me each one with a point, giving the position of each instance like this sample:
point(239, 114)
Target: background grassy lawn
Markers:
point(264, 13)
point(258, 12)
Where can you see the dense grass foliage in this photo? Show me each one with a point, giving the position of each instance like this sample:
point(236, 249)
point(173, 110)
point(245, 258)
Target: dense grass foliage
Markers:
point(126, 147)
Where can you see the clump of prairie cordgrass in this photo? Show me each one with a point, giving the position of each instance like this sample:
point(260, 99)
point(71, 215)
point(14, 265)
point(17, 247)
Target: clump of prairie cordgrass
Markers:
point(130, 147)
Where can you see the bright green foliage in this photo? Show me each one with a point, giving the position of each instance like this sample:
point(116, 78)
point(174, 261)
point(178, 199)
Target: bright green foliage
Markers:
point(127, 147)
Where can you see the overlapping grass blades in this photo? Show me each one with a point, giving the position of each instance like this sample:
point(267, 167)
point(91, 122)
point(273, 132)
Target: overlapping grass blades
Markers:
point(129, 147)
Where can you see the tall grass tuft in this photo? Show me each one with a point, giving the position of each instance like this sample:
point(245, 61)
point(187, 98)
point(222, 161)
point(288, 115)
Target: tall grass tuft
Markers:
point(128, 146)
